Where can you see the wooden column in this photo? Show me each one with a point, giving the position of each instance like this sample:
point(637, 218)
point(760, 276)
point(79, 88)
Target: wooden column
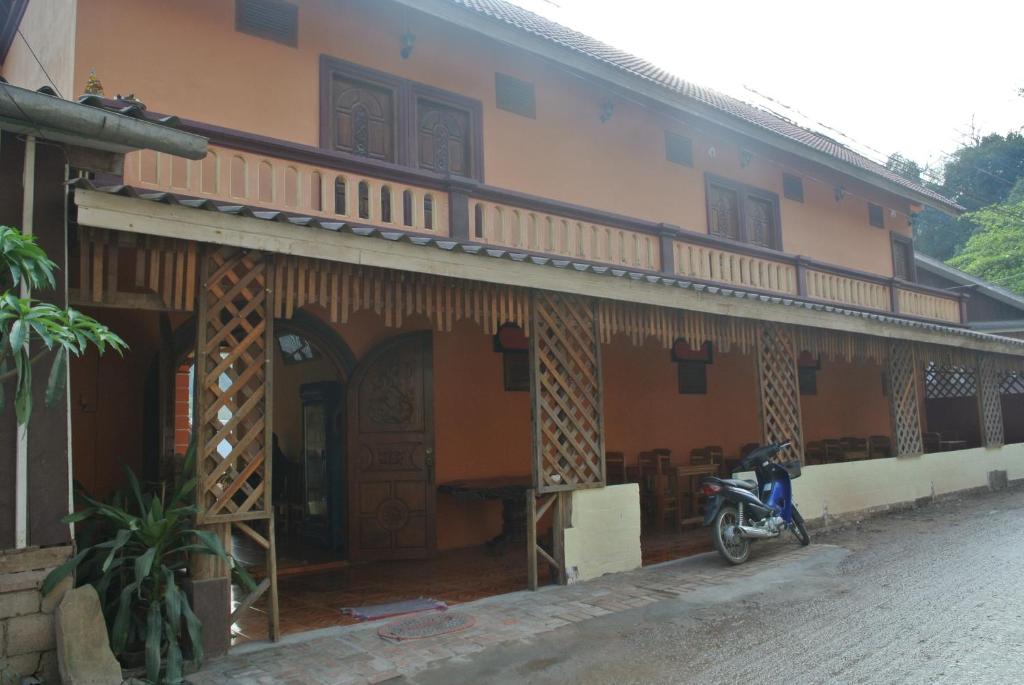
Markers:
point(233, 424)
point(903, 400)
point(990, 405)
point(779, 389)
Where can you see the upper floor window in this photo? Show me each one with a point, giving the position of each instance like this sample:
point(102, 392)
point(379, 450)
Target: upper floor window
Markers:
point(793, 187)
point(742, 213)
point(876, 216)
point(389, 119)
point(678, 149)
point(514, 95)
point(274, 20)
point(902, 257)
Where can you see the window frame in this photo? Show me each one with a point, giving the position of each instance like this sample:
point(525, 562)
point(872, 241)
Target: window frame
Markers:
point(505, 82)
point(872, 210)
point(290, 9)
point(687, 366)
point(670, 138)
point(792, 187)
point(743, 192)
point(407, 94)
point(895, 238)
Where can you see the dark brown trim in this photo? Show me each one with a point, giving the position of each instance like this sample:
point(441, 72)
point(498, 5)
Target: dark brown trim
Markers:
point(11, 20)
point(895, 238)
point(406, 94)
point(743, 191)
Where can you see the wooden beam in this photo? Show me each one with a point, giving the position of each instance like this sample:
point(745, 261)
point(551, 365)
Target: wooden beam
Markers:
point(104, 210)
point(120, 300)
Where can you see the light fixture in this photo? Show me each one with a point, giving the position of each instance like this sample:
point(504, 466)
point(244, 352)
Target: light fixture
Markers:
point(607, 108)
point(408, 40)
point(745, 157)
point(840, 193)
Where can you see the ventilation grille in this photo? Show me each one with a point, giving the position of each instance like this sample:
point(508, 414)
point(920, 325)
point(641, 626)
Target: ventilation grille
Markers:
point(678, 149)
point(271, 19)
point(515, 95)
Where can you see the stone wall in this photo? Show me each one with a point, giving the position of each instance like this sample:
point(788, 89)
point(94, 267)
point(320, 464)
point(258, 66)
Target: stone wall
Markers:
point(605, 533)
point(27, 637)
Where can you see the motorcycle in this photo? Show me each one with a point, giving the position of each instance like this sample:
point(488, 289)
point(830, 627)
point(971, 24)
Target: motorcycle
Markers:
point(740, 511)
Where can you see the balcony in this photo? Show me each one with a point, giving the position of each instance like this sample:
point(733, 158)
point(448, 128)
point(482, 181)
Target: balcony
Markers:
point(276, 175)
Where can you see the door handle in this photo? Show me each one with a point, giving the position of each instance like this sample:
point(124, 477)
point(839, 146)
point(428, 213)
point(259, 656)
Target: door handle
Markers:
point(429, 461)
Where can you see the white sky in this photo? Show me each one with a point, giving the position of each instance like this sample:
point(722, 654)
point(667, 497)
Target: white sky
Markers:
point(893, 76)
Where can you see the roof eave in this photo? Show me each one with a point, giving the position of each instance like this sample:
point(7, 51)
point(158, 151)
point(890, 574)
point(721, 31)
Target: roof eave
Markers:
point(945, 270)
point(592, 66)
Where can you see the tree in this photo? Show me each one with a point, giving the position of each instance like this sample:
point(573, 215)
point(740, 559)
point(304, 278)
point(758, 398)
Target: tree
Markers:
point(904, 166)
point(977, 175)
point(996, 250)
point(57, 331)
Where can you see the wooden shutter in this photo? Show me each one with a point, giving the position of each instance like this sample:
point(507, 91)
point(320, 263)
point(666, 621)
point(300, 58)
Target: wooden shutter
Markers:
point(364, 118)
point(760, 219)
point(723, 212)
point(444, 138)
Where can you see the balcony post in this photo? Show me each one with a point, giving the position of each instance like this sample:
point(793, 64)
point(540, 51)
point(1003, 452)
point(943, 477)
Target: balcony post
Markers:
point(894, 296)
point(666, 247)
point(459, 220)
point(801, 276)
point(964, 297)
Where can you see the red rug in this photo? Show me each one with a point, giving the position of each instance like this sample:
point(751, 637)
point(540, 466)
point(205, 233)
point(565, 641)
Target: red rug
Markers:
point(419, 627)
point(373, 612)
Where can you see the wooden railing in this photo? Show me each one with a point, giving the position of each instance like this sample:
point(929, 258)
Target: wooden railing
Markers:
point(273, 174)
point(263, 181)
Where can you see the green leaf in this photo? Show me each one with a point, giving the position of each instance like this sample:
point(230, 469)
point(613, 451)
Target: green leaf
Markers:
point(195, 630)
point(119, 631)
point(57, 381)
point(115, 545)
point(58, 574)
point(143, 564)
point(154, 640)
point(172, 676)
point(18, 336)
point(211, 542)
point(172, 601)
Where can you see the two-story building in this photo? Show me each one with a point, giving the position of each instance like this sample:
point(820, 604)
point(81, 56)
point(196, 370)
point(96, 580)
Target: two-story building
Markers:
point(451, 275)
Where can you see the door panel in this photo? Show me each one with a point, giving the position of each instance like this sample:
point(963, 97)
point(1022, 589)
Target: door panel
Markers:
point(392, 445)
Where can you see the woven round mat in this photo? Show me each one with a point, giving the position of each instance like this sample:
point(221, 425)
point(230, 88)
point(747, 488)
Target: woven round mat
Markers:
point(427, 625)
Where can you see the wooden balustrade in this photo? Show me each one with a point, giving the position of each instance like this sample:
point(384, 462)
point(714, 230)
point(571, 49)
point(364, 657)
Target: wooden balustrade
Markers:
point(261, 181)
point(723, 266)
point(524, 229)
point(848, 290)
point(927, 306)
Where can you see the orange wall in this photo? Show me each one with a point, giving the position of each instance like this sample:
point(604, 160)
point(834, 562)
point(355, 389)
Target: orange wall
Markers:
point(644, 409)
point(184, 57)
point(849, 402)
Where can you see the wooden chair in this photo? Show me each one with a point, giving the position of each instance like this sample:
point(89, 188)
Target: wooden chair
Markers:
point(815, 452)
point(615, 467)
point(854, 449)
point(931, 441)
point(879, 446)
point(833, 450)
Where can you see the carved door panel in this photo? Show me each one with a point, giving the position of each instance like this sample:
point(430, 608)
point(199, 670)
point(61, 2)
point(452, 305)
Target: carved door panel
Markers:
point(760, 217)
point(364, 119)
point(391, 467)
point(443, 138)
point(723, 212)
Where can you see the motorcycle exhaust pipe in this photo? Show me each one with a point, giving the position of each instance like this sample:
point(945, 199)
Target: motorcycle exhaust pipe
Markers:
point(758, 533)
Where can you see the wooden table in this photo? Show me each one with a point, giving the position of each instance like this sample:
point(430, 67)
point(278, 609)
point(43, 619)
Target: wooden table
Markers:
point(511, 490)
point(950, 445)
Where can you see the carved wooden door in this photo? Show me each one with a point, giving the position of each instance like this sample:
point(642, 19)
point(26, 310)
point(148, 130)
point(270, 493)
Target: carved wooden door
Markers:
point(724, 212)
point(443, 138)
point(363, 119)
point(391, 462)
point(760, 216)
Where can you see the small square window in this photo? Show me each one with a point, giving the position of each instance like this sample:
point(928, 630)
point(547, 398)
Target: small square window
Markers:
point(515, 95)
point(876, 215)
point(693, 378)
point(678, 149)
point(793, 187)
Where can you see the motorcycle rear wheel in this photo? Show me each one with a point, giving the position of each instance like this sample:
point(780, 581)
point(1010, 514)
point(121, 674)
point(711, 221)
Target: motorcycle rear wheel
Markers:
point(799, 530)
point(727, 540)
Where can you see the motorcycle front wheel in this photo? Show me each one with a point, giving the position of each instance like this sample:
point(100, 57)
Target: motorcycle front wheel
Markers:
point(799, 529)
point(727, 539)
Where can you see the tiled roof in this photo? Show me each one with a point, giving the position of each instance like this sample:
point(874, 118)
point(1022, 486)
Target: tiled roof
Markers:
point(129, 108)
point(447, 244)
point(513, 15)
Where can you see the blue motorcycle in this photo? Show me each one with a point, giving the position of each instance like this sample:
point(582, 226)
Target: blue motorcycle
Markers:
point(740, 511)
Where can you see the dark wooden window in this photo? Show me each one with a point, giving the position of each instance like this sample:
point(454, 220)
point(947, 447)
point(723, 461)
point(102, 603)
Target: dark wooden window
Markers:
point(808, 377)
point(407, 208)
point(274, 20)
point(513, 346)
point(515, 95)
point(678, 149)
point(444, 138)
point(693, 378)
point(339, 196)
point(428, 211)
point(363, 116)
point(793, 187)
point(742, 213)
point(876, 216)
point(902, 258)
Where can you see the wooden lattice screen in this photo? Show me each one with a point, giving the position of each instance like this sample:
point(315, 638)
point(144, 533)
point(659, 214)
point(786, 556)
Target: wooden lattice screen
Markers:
point(990, 405)
point(903, 400)
point(234, 402)
point(566, 389)
point(779, 390)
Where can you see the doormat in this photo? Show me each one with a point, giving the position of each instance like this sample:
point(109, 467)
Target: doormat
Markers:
point(418, 627)
point(373, 612)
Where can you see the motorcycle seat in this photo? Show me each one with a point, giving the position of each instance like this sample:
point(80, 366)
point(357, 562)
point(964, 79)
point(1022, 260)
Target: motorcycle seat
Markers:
point(740, 483)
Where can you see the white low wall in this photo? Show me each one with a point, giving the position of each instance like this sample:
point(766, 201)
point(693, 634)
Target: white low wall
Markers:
point(605, 532)
point(834, 489)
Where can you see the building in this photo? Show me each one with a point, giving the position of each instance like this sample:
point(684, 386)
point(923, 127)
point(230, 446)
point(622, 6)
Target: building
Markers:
point(466, 267)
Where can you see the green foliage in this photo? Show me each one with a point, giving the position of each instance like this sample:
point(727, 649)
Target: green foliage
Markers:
point(134, 550)
point(996, 250)
point(27, 324)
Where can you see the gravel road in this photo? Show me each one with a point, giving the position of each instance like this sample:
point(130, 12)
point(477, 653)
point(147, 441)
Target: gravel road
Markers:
point(929, 596)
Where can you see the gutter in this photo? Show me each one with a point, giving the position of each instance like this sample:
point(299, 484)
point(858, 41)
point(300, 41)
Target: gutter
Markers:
point(53, 118)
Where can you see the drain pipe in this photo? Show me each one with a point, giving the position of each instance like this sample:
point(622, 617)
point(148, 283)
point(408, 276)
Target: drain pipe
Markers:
point(21, 449)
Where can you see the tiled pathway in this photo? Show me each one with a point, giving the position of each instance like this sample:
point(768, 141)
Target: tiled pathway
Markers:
point(356, 655)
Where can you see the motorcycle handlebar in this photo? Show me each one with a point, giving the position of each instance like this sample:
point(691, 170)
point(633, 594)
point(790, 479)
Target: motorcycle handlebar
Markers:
point(772, 448)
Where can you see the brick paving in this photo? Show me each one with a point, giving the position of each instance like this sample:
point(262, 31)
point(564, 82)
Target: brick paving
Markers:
point(355, 655)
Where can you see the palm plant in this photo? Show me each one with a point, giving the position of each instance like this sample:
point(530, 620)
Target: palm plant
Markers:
point(134, 551)
point(62, 331)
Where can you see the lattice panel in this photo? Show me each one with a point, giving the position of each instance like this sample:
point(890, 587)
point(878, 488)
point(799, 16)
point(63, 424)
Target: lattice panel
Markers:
point(233, 381)
point(903, 404)
point(565, 385)
point(990, 405)
point(947, 382)
point(779, 390)
point(1012, 384)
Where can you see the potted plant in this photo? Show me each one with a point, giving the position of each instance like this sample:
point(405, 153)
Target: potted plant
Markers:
point(134, 550)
